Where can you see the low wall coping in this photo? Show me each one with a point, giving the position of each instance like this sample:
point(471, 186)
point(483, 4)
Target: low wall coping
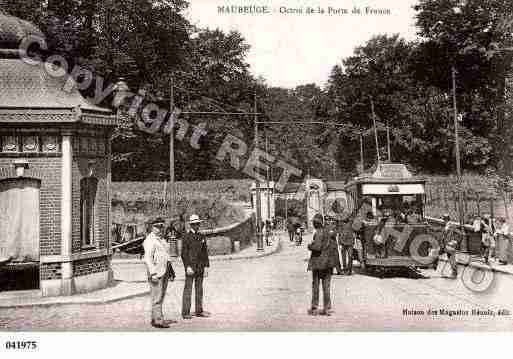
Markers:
point(227, 228)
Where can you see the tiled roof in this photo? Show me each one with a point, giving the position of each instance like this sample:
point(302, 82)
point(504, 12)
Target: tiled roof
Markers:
point(14, 30)
point(30, 86)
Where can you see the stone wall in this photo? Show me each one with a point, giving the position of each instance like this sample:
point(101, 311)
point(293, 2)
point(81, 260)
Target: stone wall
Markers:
point(243, 231)
point(89, 266)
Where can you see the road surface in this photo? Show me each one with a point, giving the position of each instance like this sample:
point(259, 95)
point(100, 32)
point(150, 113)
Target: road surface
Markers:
point(273, 293)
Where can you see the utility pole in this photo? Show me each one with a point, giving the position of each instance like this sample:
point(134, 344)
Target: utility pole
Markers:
point(388, 143)
point(286, 208)
point(260, 242)
point(375, 130)
point(171, 152)
point(457, 146)
point(268, 190)
point(361, 150)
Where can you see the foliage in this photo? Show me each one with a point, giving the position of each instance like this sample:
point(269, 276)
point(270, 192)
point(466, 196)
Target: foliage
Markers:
point(153, 46)
point(475, 37)
point(293, 208)
point(217, 202)
point(418, 112)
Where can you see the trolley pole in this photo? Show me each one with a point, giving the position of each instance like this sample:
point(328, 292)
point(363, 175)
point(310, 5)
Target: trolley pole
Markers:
point(388, 143)
point(260, 242)
point(375, 130)
point(268, 189)
point(286, 208)
point(361, 150)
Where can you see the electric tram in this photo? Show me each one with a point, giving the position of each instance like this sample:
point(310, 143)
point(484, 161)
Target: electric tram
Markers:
point(390, 205)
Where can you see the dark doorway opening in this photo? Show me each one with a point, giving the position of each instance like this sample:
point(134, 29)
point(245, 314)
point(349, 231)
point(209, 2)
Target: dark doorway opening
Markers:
point(19, 277)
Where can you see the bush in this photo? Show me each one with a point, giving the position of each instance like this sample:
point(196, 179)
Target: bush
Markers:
point(139, 202)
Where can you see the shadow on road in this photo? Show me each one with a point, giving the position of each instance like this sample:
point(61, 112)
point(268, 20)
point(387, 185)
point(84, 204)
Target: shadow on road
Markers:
point(392, 272)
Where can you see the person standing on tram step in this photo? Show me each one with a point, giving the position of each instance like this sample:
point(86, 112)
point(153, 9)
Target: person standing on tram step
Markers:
point(323, 259)
point(196, 263)
point(486, 238)
point(346, 241)
point(159, 271)
point(490, 231)
point(267, 232)
point(450, 244)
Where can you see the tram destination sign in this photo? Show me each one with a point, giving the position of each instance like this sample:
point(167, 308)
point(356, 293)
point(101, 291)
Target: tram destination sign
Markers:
point(392, 170)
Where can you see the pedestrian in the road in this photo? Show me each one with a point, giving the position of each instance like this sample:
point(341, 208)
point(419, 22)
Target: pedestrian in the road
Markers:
point(487, 240)
point(196, 263)
point(346, 240)
point(323, 259)
point(159, 270)
point(291, 228)
point(503, 240)
point(267, 232)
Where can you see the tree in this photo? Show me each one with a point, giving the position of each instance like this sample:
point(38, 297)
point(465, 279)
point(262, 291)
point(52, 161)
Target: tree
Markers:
point(474, 36)
point(417, 111)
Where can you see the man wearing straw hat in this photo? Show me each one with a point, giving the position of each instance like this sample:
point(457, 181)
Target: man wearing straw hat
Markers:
point(160, 271)
point(195, 261)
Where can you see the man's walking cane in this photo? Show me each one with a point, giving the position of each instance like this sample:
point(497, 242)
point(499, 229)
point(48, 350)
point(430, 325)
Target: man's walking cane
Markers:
point(339, 251)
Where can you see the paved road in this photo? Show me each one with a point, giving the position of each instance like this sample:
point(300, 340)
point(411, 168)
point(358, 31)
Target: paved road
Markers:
point(273, 293)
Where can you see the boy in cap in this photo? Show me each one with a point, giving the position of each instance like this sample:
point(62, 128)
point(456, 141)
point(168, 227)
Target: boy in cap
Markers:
point(195, 261)
point(159, 270)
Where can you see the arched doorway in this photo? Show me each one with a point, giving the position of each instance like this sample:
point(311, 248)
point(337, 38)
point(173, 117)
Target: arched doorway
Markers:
point(19, 234)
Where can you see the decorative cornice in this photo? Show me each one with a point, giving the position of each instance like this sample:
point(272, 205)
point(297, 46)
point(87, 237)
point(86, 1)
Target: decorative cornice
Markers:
point(55, 116)
point(9, 172)
point(101, 120)
point(27, 117)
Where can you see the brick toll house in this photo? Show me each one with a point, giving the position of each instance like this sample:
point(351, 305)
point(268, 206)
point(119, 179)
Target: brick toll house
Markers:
point(54, 177)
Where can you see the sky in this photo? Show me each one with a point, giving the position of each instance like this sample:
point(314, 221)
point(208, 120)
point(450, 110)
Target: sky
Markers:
point(289, 48)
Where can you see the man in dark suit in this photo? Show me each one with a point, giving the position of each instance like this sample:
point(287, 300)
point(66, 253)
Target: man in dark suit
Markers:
point(195, 261)
point(323, 259)
point(291, 228)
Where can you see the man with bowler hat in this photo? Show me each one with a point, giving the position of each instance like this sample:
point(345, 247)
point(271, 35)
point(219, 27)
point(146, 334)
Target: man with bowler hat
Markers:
point(196, 263)
point(159, 270)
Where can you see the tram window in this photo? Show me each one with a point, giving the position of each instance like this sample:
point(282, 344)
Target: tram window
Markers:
point(404, 208)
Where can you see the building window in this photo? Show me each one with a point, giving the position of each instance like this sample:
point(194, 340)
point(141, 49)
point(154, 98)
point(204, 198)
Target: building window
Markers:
point(19, 220)
point(88, 187)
